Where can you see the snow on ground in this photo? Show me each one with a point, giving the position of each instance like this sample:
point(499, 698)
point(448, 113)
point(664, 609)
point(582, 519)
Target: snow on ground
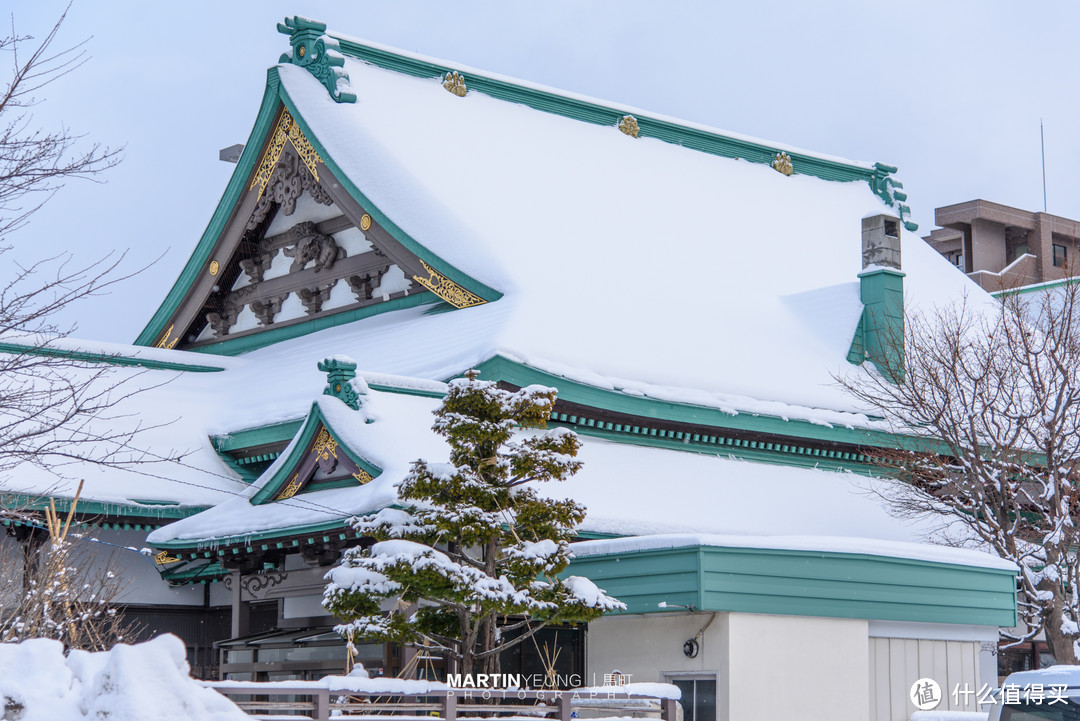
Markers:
point(127, 683)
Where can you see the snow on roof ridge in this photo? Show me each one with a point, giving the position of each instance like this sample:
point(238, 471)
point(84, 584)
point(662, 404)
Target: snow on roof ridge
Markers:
point(824, 544)
point(617, 107)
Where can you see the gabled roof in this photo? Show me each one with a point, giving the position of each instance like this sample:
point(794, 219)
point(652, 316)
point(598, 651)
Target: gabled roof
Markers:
point(315, 459)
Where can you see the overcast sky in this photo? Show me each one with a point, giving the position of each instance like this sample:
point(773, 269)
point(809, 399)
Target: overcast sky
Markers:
point(951, 92)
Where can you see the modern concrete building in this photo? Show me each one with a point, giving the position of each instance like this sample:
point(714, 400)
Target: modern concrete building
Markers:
point(1000, 247)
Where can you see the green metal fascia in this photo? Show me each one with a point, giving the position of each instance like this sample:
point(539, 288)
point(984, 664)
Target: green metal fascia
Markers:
point(400, 390)
point(143, 509)
point(471, 284)
point(262, 435)
point(222, 213)
point(216, 543)
point(236, 346)
point(207, 572)
point(595, 113)
point(116, 360)
point(793, 455)
point(805, 583)
point(314, 419)
point(500, 368)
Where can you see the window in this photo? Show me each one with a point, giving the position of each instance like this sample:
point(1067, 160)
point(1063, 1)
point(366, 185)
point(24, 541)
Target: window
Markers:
point(1061, 258)
point(698, 698)
point(957, 260)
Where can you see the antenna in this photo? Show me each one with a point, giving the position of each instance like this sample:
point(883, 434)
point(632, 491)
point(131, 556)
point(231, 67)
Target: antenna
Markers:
point(1042, 143)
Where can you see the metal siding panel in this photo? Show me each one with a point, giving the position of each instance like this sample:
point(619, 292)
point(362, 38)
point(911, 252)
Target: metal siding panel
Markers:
point(883, 687)
point(911, 662)
point(898, 706)
point(970, 662)
point(954, 652)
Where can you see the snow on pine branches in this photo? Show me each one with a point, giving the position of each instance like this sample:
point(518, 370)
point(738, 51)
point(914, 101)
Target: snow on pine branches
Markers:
point(471, 565)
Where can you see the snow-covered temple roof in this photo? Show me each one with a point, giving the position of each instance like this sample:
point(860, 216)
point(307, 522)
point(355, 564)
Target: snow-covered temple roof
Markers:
point(691, 298)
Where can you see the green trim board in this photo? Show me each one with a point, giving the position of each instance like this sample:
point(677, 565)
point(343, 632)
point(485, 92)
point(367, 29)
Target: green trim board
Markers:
point(205, 573)
point(878, 176)
point(261, 435)
point(314, 424)
point(114, 359)
point(248, 542)
point(503, 369)
point(804, 583)
point(136, 509)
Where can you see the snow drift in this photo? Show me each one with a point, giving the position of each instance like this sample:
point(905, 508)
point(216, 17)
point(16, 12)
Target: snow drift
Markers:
point(127, 683)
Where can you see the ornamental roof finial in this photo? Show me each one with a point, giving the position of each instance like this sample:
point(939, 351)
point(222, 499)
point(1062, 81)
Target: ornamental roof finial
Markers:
point(319, 54)
point(341, 381)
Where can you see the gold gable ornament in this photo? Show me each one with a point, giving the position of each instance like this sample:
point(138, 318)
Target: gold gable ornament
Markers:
point(447, 289)
point(286, 131)
point(629, 126)
point(362, 476)
point(163, 558)
point(290, 490)
point(455, 83)
point(165, 342)
point(782, 163)
point(325, 445)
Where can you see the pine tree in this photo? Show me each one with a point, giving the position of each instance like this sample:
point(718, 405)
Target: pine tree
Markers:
point(471, 564)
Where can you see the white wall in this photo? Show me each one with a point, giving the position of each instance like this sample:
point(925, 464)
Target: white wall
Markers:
point(766, 666)
point(812, 669)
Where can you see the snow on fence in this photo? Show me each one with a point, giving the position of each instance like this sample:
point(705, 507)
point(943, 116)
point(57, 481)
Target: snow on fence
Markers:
point(325, 699)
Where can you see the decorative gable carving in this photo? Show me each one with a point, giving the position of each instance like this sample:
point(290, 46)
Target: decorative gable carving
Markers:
point(317, 267)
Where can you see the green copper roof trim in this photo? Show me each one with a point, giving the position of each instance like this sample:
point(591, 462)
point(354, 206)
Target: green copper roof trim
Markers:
point(804, 583)
point(879, 176)
point(780, 454)
point(212, 545)
point(315, 420)
point(401, 390)
point(501, 368)
point(110, 359)
point(236, 346)
point(145, 509)
point(261, 435)
point(224, 210)
point(208, 572)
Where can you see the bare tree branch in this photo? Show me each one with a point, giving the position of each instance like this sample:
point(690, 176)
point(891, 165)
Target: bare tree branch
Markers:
point(994, 397)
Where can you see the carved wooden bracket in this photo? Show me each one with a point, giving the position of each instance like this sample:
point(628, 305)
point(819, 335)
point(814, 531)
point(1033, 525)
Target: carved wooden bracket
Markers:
point(265, 310)
point(289, 180)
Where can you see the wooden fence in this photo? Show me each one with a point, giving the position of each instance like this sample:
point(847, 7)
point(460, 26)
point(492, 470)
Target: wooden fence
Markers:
point(447, 704)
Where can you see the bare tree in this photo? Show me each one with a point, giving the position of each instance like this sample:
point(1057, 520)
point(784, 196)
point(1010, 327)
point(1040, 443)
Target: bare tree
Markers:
point(988, 424)
point(67, 592)
point(55, 408)
point(59, 409)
